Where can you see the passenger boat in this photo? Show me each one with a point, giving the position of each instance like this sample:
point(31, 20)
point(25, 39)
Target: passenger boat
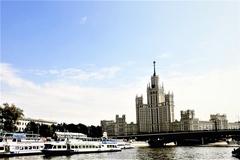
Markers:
point(124, 145)
point(17, 144)
point(74, 144)
point(236, 153)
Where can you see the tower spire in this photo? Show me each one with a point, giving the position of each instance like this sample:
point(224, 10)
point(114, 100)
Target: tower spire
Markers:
point(154, 73)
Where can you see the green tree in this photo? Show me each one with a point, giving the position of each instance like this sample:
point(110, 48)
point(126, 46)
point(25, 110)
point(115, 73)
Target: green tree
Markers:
point(10, 115)
point(45, 130)
point(32, 127)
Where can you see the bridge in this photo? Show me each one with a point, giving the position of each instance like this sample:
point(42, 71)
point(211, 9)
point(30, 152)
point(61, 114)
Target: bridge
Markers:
point(184, 138)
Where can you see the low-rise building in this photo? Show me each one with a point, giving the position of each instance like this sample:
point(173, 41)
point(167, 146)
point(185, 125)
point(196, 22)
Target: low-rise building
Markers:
point(176, 126)
point(205, 125)
point(234, 125)
point(1, 122)
point(119, 127)
point(188, 121)
point(22, 123)
point(132, 128)
point(220, 121)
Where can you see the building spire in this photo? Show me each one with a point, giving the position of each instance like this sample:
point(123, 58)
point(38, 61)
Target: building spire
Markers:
point(154, 73)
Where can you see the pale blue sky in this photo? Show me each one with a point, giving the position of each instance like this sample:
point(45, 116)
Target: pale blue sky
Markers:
point(110, 44)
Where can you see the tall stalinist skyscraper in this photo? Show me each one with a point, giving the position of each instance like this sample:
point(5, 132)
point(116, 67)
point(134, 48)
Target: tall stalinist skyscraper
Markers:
point(158, 114)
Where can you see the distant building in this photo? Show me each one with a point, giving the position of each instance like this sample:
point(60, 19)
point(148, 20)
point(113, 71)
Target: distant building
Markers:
point(188, 121)
point(158, 114)
point(219, 121)
point(234, 125)
point(119, 127)
point(176, 126)
point(1, 122)
point(22, 123)
point(108, 126)
point(132, 128)
point(205, 125)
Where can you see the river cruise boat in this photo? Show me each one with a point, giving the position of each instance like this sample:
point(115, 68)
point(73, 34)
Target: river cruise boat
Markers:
point(124, 145)
point(70, 144)
point(17, 144)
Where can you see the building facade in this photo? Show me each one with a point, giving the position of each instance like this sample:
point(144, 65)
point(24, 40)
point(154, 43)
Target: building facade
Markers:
point(119, 127)
point(205, 125)
point(234, 125)
point(22, 123)
point(188, 121)
point(158, 114)
point(219, 121)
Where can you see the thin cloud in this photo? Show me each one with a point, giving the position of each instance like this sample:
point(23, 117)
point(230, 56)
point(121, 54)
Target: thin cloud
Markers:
point(208, 93)
point(79, 74)
point(83, 20)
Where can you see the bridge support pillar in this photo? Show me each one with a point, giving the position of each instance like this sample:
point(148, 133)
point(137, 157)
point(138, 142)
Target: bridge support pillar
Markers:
point(202, 140)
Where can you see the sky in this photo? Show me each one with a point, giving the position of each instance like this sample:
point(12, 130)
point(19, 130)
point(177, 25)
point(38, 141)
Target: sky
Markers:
point(82, 62)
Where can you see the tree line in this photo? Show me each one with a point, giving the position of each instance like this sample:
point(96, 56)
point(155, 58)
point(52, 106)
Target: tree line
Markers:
point(9, 114)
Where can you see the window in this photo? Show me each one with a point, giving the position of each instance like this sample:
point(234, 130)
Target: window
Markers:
point(64, 147)
point(76, 147)
point(1, 148)
point(26, 148)
point(72, 147)
point(59, 147)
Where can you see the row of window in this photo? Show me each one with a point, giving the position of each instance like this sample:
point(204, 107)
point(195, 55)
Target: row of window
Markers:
point(81, 146)
point(85, 146)
point(28, 147)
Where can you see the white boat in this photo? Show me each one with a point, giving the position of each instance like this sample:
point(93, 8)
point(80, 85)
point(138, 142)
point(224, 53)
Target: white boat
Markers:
point(124, 145)
point(78, 144)
point(17, 144)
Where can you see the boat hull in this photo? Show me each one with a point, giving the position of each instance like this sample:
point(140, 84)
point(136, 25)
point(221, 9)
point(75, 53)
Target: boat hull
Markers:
point(71, 152)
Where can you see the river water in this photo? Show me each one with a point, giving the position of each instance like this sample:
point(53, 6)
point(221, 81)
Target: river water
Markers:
point(146, 153)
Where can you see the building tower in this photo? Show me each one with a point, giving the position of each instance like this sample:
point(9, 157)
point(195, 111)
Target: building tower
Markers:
point(158, 113)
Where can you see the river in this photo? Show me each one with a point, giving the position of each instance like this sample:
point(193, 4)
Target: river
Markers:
point(146, 153)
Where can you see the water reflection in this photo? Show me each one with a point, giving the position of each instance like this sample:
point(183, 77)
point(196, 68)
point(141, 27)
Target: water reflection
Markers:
point(166, 153)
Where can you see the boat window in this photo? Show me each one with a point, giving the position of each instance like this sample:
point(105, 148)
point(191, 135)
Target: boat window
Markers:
point(21, 148)
point(41, 146)
point(54, 147)
point(72, 147)
point(76, 147)
point(86, 146)
point(34, 147)
point(30, 147)
point(83, 146)
point(47, 146)
point(99, 146)
point(26, 148)
point(64, 147)
point(1, 148)
point(59, 147)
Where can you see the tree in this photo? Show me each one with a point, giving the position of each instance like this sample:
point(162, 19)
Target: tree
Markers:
point(94, 131)
point(45, 130)
point(32, 127)
point(10, 115)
